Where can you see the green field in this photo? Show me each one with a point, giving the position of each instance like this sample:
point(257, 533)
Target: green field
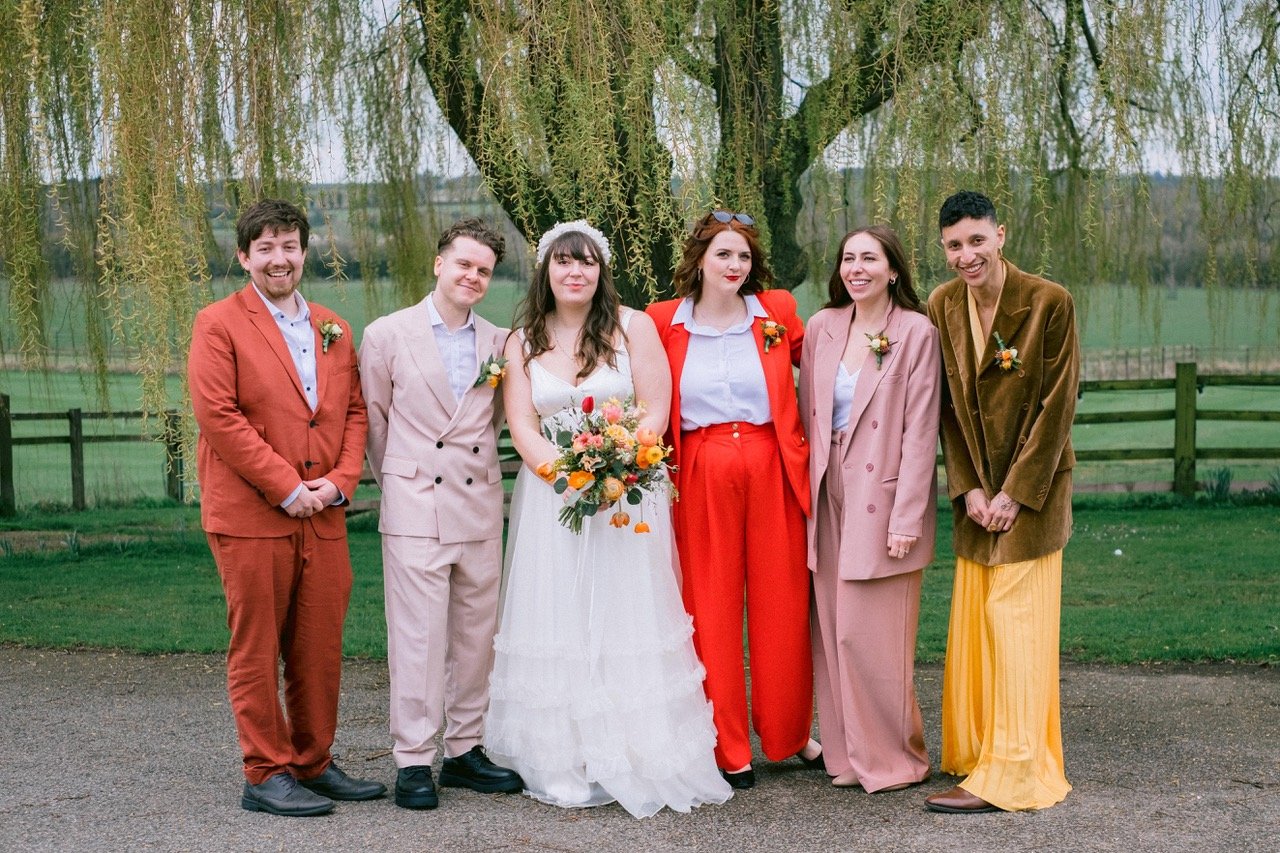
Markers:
point(1175, 581)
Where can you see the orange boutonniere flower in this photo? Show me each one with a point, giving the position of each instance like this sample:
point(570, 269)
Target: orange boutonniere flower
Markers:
point(330, 331)
point(773, 332)
point(1006, 356)
point(879, 345)
point(492, 371)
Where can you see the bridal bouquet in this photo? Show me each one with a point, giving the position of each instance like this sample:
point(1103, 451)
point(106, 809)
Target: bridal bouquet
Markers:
point(606, 457)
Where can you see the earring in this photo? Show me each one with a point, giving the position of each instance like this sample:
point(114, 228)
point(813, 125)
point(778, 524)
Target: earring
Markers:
point(893, 281)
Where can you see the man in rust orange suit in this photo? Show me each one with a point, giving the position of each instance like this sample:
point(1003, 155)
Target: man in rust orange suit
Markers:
point(276, 395)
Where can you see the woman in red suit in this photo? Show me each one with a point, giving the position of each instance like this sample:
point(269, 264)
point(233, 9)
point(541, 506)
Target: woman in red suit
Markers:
point(869, 394)
point(743, 481)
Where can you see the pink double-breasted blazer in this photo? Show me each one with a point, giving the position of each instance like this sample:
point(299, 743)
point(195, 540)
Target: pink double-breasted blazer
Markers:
point(888, 467)
point(435, 456)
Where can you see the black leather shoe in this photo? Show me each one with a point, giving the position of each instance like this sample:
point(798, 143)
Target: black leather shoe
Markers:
point(414, 788)
point(281, 794)
point(336, 785)
point(740, 781)
point(474, 770)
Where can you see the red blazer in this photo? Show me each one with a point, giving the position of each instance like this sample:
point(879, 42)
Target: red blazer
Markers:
point(778, 376)
point(259, 438)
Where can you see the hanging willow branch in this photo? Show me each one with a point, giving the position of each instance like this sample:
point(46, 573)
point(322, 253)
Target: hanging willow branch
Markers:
point(134, 130)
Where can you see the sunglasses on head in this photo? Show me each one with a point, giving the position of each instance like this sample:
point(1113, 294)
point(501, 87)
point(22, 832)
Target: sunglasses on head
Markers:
point(727, 216)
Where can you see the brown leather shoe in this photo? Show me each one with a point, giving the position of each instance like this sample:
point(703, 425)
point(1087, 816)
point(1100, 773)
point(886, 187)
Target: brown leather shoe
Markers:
point(958, 801)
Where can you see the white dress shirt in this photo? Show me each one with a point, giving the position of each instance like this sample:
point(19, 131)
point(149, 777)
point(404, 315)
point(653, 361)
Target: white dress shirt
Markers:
point(723, 380)
point(457, 349)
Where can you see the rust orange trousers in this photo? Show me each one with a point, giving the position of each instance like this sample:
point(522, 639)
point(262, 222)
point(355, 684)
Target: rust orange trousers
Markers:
point(741, 537)
point(286, 600)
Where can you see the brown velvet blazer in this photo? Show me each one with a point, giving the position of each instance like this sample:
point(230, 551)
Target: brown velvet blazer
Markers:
point(1010, 430)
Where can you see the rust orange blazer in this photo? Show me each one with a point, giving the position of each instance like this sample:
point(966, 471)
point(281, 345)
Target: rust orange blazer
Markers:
point(259, 438)
point(778, 376)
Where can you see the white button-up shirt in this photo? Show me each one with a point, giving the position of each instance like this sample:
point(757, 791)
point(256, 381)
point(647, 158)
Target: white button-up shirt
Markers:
point(723, 379)
point(457, 349)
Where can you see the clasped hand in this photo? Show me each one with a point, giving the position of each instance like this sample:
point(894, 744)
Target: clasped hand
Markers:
point(994, 516)
point(316, 495)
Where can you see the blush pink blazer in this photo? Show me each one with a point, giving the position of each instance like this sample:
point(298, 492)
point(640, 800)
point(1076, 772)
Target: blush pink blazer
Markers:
point(888, 466)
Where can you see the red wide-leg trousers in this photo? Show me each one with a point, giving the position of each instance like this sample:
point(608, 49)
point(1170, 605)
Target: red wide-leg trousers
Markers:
point(286, 600)
point(741, 536)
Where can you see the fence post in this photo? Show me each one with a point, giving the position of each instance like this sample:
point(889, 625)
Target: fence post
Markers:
point(173, 455)
point(8, 506)
point(1184, 429)
point(75, 435)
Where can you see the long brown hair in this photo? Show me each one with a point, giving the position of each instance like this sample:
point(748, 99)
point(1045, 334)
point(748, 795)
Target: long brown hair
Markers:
point(601, 330)
point(688, 275)
point(901, 292)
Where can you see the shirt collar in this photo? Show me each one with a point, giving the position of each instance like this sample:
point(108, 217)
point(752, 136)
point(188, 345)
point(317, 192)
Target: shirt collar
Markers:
point(684, 316)
point(437, 320)
point(304, 310)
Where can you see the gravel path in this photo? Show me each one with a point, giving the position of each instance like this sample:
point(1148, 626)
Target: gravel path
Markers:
point(108, 752)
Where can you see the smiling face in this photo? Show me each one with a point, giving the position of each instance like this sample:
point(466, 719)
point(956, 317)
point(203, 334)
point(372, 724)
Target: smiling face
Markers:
point(573, 280)
point(973, 251)
point(865, 270)
point(274, 263)
point(463, 270)
point(726, 264)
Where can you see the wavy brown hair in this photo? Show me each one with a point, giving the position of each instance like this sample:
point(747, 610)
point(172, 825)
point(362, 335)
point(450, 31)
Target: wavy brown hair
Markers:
point(902, 291)
point(600, 332)
point(688, 279)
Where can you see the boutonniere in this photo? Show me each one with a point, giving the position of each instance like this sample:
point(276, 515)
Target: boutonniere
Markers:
point(773, 332)
point(492, 371)
point(330, 331)
point(1006, 356)
point(879, 345)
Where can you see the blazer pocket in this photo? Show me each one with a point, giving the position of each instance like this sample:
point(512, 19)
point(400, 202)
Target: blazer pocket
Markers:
point(399, 466)
point(495, 474)
point(892, 379)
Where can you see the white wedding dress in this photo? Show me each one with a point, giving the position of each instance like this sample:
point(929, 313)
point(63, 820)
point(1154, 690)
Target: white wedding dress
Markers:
point(596, 693)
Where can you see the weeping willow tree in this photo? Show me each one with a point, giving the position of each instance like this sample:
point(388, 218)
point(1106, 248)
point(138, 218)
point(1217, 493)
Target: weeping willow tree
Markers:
point(134, 130)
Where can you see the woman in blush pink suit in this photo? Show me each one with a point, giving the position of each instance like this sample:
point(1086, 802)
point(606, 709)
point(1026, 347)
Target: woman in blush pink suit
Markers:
point(869, 397)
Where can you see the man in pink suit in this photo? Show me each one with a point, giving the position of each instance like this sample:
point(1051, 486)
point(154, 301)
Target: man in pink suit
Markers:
point(430, 376)
point(276, 395)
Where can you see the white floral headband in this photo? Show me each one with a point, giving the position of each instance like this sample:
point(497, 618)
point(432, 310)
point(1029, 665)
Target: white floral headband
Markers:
point(582, 227)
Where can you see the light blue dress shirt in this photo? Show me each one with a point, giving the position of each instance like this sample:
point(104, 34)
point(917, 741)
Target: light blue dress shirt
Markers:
point(457, 349)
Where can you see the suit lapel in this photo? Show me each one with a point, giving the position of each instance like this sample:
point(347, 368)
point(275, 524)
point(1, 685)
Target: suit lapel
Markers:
point(266, 326)
point(959, 336)
point(870, 375)
point(826, 357)
point(1011, 313)
point(322, 363)
point(421, 341)
point(486, 345)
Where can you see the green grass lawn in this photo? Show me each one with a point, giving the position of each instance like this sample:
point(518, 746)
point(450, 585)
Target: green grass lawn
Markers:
point(1192, 582)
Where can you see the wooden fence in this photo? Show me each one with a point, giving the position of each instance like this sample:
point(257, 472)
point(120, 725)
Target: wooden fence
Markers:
point(1184, 453)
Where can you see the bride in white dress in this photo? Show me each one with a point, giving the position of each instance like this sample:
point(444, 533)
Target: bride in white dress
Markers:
point(596, 693)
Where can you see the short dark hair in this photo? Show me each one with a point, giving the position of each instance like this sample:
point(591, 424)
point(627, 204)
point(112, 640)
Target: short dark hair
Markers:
point(274, 214)
point(687, 278)
point(477, 229)
point(966, 204)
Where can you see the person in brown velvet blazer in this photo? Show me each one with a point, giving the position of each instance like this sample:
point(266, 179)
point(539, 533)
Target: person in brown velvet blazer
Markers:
point(1011, 357)
point(276, 395)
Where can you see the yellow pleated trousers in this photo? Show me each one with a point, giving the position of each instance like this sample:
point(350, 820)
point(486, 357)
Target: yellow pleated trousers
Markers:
point(1001, 720)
